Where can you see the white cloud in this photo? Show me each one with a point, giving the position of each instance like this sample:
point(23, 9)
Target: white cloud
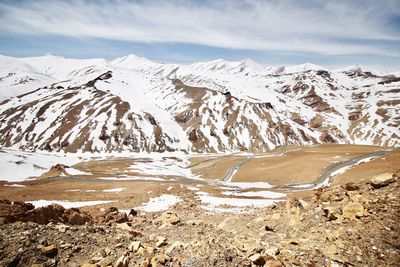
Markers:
point(288, 25)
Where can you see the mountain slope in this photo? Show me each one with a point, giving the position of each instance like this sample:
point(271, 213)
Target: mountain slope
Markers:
point(134, 104)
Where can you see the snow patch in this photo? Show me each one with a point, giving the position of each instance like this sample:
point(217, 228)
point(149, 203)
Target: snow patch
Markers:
point(262, 194)
point(156, 179)
point(73, 171)
point(15, 185)
point(17, 166)
point(114, 190)
point(68, 204)
point(161, 203)
point(211, 203)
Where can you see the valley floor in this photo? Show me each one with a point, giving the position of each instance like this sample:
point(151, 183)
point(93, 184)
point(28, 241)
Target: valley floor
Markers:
point(217, 182)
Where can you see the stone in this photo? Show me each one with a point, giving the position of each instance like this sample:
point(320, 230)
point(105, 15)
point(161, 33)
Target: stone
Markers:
point(111, 210)
point(62, 228)
point(134, 246)
point(170, 218)
point(161, 241)
point(122, 261)
point(76, 217)
point(274, 263)
point(117, 217)
point(46, 214)
point(96, 259)
point(331, 213)
point(242, 246)
point(133, 213)
point(175, 245)
point(118, 245)
point(382, 180)
point(38, 265)
point(145, 251)
point(66, 246)
point(270, 227)
point(50, 251)
point(353, 210)
point(105, 262)
point(272, 251)
point(88, 265)
point(257, 259)
point(23, 205)
point(107, 251)
point(351, 187)
point(124, 227)
point(159, 259)
point(102, 253)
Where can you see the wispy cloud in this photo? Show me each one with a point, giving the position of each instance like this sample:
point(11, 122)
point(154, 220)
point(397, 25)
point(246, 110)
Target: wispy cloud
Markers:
point(341, 27)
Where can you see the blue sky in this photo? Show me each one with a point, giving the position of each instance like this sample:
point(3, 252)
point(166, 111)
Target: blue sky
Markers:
point(271, 32)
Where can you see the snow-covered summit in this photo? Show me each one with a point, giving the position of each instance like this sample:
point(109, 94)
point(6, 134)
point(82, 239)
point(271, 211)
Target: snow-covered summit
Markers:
point(59, 67)
point(302, 68)
point(133, 62)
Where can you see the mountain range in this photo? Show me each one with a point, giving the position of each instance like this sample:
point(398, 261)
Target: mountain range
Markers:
point(134, 104)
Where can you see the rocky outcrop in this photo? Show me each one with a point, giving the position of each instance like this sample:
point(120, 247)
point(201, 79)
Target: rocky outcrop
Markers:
point(382, 180)
point(19, 211)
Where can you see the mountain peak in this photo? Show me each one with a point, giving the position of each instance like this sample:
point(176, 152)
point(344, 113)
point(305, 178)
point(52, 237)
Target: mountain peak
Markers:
point(132, 61)
point(302, 67)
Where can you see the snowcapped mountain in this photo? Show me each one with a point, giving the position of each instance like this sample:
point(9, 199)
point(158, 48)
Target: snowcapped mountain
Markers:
point(134, 104)
point(17, 77)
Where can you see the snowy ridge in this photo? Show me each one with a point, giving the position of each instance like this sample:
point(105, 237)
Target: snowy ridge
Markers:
point(134, 104)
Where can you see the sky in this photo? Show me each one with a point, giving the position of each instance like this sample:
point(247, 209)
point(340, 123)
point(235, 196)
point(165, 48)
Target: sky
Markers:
point(272, 32)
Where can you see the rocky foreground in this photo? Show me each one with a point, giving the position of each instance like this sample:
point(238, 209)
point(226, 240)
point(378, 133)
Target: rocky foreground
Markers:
point(350, 225)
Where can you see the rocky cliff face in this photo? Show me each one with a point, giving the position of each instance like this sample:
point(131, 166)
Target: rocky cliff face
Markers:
point(133, 104)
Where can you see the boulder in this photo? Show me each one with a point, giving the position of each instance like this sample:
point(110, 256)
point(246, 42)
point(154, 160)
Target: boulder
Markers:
point(113, 215)
point(76, 217)
point(382, 180)
point(11, 212)
point(353, 210)
point(44, 215)
point(24, 206)
point(170, 218)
